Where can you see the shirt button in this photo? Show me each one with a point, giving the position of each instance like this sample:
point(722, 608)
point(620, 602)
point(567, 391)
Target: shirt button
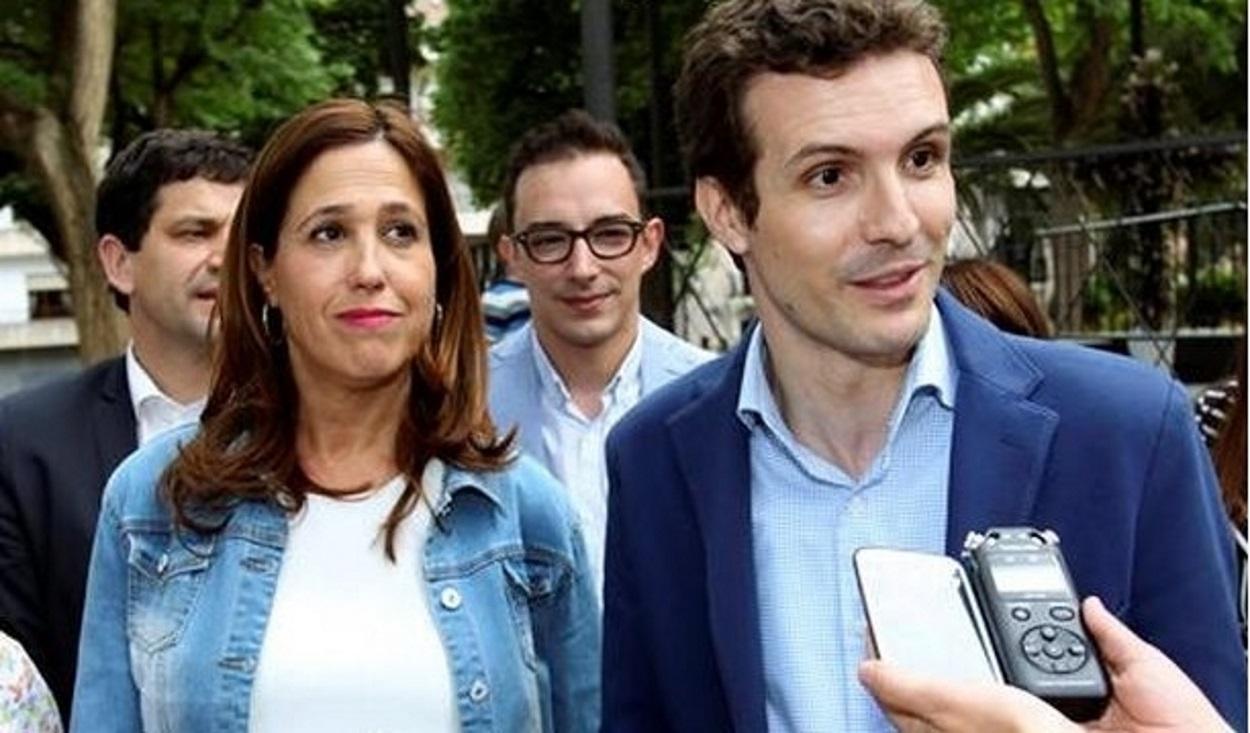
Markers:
point(478, 690)
point(450, 598)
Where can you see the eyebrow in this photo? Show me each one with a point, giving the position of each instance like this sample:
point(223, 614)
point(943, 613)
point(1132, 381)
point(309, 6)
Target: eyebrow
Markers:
point(198, 220)
point(605, 219)
point(393, 207)
point(819, 149)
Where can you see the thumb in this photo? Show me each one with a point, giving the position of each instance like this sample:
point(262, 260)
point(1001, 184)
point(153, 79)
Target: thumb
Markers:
point(896, 689)
point(1116, 643)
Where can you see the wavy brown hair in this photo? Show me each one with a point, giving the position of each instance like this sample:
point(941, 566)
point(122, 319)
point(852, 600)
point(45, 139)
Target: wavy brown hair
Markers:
point(999, 295)
point(245, 449)
point(1229, 451)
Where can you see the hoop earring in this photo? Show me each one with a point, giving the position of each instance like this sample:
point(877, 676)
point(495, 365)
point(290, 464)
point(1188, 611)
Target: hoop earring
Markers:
point(271, 322)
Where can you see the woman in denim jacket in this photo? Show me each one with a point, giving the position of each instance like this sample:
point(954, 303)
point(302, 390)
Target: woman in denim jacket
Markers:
point(344, 543)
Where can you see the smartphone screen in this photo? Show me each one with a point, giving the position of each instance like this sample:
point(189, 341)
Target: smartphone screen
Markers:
point(922, 617)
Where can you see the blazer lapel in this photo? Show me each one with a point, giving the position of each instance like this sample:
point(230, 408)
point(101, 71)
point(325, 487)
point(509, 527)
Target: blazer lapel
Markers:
point(713, 451)
point(1001, 438)
point(113, 422)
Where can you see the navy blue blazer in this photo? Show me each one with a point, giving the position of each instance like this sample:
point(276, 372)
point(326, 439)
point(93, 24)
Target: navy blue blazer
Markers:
point(1100, 448)
point(59, 443)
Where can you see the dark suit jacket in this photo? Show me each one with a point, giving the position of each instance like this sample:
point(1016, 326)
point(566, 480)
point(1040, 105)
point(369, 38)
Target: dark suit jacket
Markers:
point(58, 445)
point(1097, 447)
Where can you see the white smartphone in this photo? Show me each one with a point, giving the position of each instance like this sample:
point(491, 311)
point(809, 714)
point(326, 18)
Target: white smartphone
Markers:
point(922, 615)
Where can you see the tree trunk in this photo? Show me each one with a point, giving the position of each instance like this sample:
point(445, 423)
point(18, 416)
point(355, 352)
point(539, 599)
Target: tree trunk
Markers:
point(66, 174)
point(398, 54)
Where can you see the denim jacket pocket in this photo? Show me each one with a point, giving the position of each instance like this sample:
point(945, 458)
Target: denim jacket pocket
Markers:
point(165, 573)
point(532, 581)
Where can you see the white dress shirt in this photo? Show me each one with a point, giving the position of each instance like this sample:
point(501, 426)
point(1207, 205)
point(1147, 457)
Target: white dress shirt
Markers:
point(574, 442)
point(155, 411)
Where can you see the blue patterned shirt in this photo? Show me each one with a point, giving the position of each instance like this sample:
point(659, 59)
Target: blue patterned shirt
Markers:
point(808, 516)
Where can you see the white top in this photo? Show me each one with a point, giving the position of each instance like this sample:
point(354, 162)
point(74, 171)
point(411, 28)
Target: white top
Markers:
point(574, 443)
point(155, 411)
point(350, 644)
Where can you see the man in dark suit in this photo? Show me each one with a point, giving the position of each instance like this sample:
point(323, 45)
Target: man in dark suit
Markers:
point(164, 209)
point(868, 408)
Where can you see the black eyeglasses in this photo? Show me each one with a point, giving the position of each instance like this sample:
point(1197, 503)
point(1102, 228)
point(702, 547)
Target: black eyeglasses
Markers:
point(607, 240)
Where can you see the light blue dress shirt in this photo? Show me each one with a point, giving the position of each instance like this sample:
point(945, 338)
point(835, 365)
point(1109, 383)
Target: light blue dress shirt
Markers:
point(807, 518)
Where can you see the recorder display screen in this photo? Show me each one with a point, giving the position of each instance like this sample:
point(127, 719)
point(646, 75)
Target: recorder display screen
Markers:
point(1039, 574)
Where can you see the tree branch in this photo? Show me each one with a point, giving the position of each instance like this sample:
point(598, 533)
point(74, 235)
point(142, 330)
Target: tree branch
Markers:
point(1044, 40)
point(95, 23)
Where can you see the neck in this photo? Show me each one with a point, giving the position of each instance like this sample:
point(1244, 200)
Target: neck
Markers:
point(586, 370)
point(835, 405)
point(180, 372)
point(345, 437)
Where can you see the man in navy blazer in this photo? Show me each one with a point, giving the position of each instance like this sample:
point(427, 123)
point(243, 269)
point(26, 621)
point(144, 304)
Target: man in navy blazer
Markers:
point(579, 241)
point(164, 209)
point(867, 407)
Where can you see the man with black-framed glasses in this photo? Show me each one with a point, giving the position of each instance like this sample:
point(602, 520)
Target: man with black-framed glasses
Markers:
point(580, 242)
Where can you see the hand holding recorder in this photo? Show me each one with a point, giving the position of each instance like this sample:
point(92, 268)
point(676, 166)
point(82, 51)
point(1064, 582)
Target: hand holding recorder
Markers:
point(1149, 693)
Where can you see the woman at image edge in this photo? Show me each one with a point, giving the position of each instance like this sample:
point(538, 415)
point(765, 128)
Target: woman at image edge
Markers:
point(344, 543)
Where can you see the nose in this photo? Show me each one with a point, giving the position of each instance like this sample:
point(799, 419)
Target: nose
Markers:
point(216, 251)
point(887, 215)
point(367, 272)
point(582, 263)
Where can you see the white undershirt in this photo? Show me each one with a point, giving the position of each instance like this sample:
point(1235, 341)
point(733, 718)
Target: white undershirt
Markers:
point(351, 644)
point(574, 443)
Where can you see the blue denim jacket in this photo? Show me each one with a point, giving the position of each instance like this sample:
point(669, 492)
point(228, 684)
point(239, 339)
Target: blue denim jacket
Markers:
point(174, 621)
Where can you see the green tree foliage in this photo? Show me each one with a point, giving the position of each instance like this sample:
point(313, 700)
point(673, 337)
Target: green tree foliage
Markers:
point(1026, 74)
point(501, 67)
point(504, 66)
point(231, 65)
point(237, 66)
point(366, 38)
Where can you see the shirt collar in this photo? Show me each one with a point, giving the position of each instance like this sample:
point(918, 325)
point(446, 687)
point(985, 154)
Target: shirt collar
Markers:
point(143, 388)
point(626, 379)
point(930, 367)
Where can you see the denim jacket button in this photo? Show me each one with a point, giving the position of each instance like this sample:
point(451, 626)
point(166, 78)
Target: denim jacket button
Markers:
point(450, 598)
point(162, 563)
point(478, 690)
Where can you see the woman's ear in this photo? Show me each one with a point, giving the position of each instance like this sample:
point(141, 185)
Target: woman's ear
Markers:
point(262, 271)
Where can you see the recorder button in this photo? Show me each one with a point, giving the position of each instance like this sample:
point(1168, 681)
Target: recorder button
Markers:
point(1054, 651)
point(1032, 648)
point(1049, 633)
point(1020, 613)
point(1062, 613)
point(1076, 649)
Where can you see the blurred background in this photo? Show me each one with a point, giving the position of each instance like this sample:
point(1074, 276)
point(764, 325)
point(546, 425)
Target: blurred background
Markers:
point(1100, 144)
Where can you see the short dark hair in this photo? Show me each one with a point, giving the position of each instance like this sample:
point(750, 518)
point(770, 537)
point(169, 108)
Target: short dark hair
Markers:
point(572, 134)
point(127, 196)
point(739, 39)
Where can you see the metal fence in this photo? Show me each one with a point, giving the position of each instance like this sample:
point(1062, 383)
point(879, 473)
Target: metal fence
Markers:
point(1138, 247)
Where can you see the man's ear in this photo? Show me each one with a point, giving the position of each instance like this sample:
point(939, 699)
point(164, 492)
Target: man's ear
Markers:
point(261, 271)
point(507, 251)
point(651, 242)
point(721, 215)
point(117, 263)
